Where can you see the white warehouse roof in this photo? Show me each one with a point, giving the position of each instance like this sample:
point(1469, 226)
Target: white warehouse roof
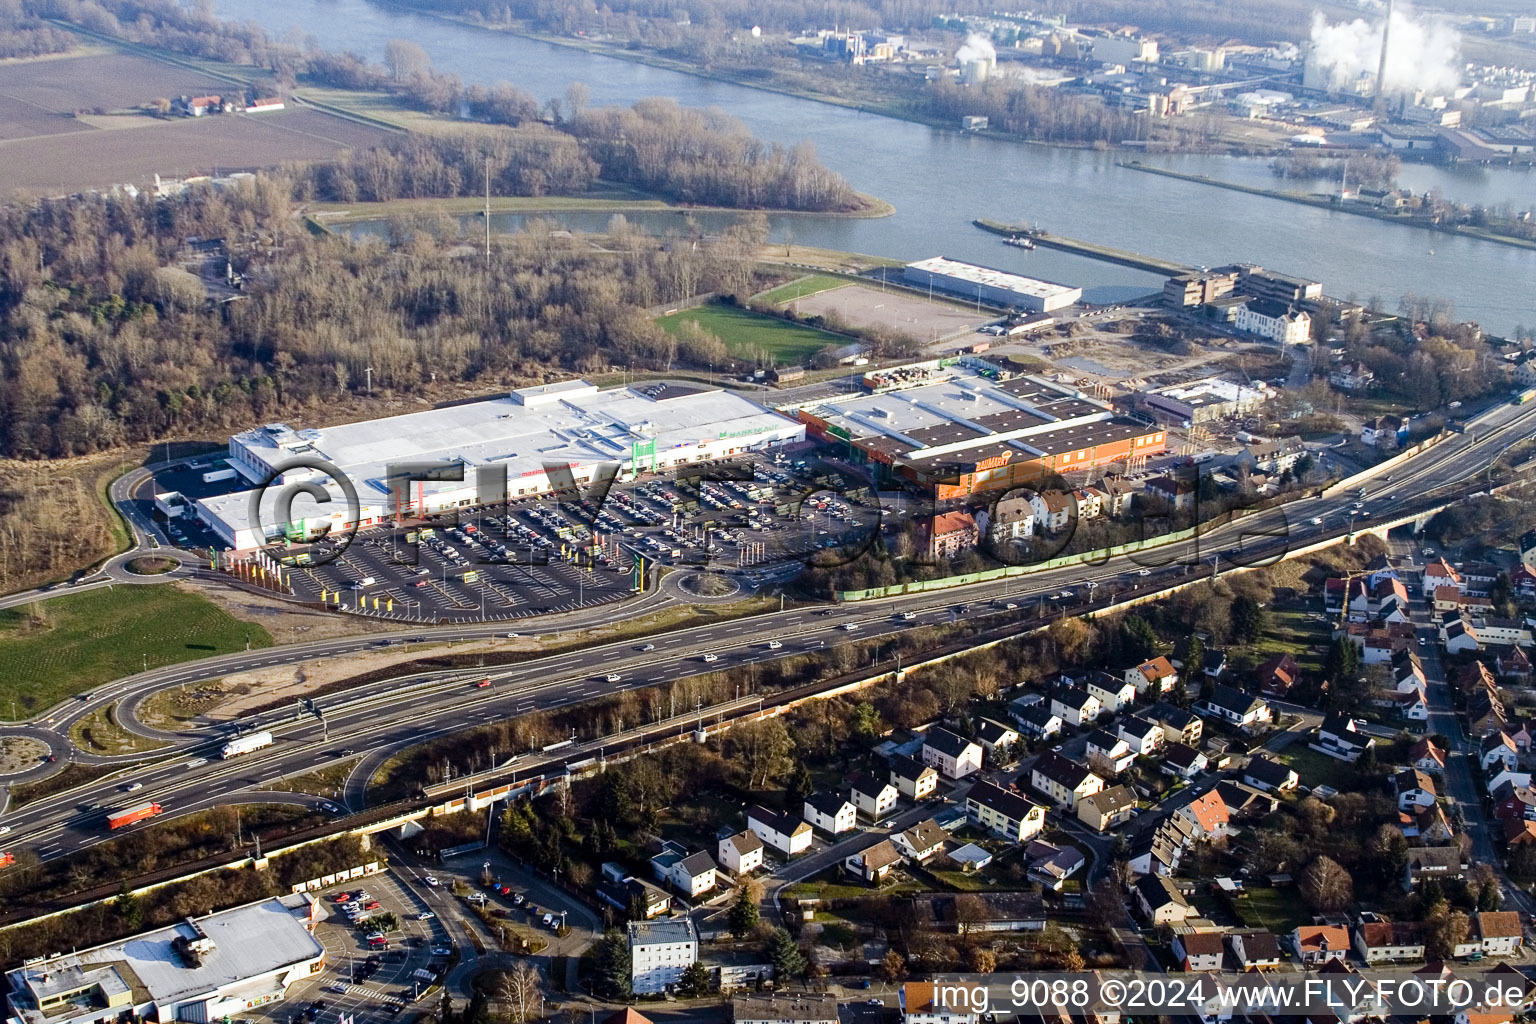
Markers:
point(987, 276)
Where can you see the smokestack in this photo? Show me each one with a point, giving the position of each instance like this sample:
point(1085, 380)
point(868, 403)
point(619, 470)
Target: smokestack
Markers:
point(1386, 39)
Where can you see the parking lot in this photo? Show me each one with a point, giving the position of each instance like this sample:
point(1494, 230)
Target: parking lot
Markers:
point(927, 320)
point(373, 981)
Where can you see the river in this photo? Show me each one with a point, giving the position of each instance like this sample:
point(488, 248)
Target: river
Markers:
point(939, 180)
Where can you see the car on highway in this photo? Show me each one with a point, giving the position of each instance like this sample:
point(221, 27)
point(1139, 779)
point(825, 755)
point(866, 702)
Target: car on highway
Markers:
point(613, 677)
point(5, 830)
point(196, 761)
point(442, 951)
point(425, 915)
point(1143, 572)
point(133, 787)
point(711, 657)
point(328, 807)
point(1316, 521)
point(482, 684)
point(849, 627)
point(1011, 606)
point(774, 645)
point(646, 647)
point(431, 880)
point(908, 616)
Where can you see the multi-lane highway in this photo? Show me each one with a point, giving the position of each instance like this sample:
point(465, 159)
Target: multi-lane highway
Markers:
point(385, 717)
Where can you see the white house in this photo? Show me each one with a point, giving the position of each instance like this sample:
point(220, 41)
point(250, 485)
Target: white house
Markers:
point(1275, 321)
point(997, 740)
point(830, 812)
point(1241, 709)
point(873, 863)
point(1156, 674)
point(872, 796)
point(689, 873)
point(1497, 748)
point(1039, 721)
point(1108, 752)
point(1415, 789)
point(952, 754)
point(914, 780)
point(784, 832)
point(740, 854)
point(1111, 693)
point(1074, 705)
point(659, 953)
point(921, 841)
point(1144, 737)
point(1004, 811)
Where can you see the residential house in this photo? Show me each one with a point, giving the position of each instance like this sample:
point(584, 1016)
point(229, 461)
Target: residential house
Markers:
point(1214, 664)
point(659, 953)
point(1499, 932)
point(1245, 801)
point(1437, 574)
point(1274, 458)
point(634, 897)
point(873, 863)
point(1513, 803)
point(1429, 825)
point(1208, 813)
point(1161, 902)
point(1436, 862)
point(1112, 694)
point(1498, 777)
point(1318, 943)
point(1268, 775)
point(1160, 851)
point(1415, 789)
point(1011, 519)
point(1183, 760)
point(740, 854)
point(1107, 809)
point(1255, 949)
point(1233, 706)
point(1379, 941)
point(1074, 705)
point(1426, 756)
point(1144, 737)
point(1351, 377)
point(1053, 511)
point(998, 741)
point(1407, 671)
point(1063, 780)
point(921, 841)
point(915, 780)
point(1340, 736)
point(1178, 493)
point(1039, 721)
point(950, 533)
point(1156, 675)
point(1052, 865)
point(1107, 753)
point(692, 874)
point(873, 796)
point(1177, 723)
point(1198, 951)
point(952, 754)
point(831, 812)
point(1385, 431)
point(1514, 663)
point(1003, 811)
point(784, 1008)
point(786, 833)
point(1497, 749)
point(1277, 674)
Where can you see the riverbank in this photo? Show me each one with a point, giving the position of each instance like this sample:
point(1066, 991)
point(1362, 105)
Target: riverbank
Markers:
point(1327, 203)
point(1105, 253)
point(614, 199)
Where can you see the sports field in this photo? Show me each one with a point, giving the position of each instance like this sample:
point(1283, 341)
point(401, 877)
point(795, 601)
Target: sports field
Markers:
point(57, 648)
point(749, 335)
point(801, 288)
point(862, 305)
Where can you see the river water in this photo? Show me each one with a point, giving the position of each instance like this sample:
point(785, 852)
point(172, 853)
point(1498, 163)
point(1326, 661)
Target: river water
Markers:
point(940, 180)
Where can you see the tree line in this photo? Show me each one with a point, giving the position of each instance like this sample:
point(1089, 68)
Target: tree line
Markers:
point(23, 34)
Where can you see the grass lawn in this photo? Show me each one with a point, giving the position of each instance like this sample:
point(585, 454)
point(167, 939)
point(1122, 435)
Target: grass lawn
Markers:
point(747, 334)
point(1291, 632)
point(99, 733)
point(54, 649)
point(801, 288)
point(1279, 910)
point(1318, 769)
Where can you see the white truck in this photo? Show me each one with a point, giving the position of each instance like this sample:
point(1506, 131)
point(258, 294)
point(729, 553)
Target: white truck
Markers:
point(245, 744)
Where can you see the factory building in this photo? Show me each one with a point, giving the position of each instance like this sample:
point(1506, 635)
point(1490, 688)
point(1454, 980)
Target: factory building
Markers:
point(961, 433)
point(501, 448)
point(201, 969)
point(993, 287)
point(1201, 401)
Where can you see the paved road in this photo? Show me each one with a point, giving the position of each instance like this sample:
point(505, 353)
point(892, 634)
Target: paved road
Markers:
point(390, 716)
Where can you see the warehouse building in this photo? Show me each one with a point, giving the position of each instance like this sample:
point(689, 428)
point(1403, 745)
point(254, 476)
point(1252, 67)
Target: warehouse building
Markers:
point(994, 287)
point(960, 433)
point(201, 969)
point(1201, 401)
point(642, 428)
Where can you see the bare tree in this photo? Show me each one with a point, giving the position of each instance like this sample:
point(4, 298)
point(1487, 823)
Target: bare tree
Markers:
point(521, 992)
point(406, 60)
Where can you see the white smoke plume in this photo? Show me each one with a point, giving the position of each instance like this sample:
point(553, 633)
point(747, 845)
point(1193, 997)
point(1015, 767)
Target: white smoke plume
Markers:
point(976, 47)
point(1422, 52)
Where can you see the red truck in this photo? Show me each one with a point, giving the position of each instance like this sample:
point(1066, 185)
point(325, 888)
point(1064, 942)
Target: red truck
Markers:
point(6, 858)
point(118, 819)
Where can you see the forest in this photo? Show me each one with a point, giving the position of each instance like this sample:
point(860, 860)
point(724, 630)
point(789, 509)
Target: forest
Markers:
point(23, 34)
point(104, 341)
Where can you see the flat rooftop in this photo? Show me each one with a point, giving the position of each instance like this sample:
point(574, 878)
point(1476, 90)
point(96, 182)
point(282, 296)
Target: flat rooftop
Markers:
point(646, 933)
point(569, 422)
point(992, 278)
point(1212, 390)
point(247, 942)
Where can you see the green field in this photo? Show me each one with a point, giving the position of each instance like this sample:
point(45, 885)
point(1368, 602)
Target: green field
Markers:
point(54, 649)
point(748, 335)
point(801, 288)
